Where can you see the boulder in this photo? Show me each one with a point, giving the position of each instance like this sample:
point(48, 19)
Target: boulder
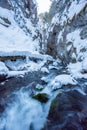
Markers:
point(68, 111)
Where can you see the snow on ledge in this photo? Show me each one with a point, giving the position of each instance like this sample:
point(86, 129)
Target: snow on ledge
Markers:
point(77, 69)
point(61, 80)
point(26, 54)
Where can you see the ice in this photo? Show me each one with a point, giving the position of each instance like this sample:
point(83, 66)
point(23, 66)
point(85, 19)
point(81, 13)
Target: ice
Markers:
point(3, 69)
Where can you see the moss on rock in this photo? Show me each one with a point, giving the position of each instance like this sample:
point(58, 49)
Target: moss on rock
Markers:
point(42, 97)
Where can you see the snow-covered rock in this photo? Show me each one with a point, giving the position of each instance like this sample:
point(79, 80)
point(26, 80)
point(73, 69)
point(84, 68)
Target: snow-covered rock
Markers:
point(75, 69)
point(78, 70)
point(48, 78)
point(61, 80)
point(44, 70)
point(39, 87)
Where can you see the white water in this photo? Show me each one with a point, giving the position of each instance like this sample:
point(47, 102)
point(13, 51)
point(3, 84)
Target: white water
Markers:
point(24, 114)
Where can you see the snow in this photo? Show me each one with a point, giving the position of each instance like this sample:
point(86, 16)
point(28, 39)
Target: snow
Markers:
point(76, 8)
point(43, 6)
point(48, 78)
point(68, 14)
point(44, 70)
point(77, 69)
point(4, 13)
point(64, 79)
point(78, 43)
point(56, 82)
point(5, 71)
point(15, 42)
point(61, 80)
point(21, 67)
point(16, 74)
point(69, 47)
point(39, 87)
point(60, 36)
point(13, 39)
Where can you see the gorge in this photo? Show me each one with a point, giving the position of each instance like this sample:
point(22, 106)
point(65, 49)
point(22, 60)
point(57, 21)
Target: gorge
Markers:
point(43, 69)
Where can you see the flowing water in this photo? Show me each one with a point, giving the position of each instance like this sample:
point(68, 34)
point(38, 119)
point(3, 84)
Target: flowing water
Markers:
point(24, 113)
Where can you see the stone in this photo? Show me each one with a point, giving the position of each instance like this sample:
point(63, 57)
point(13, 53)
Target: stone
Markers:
point(67, 111)
point(3, 78)
point(42, 97)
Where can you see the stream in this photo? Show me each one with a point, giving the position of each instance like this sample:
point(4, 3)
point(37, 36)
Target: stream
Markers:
point(19, 110)
point(22, 112)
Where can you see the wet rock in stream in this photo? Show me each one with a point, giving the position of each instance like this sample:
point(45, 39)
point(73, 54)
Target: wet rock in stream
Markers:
point(2, 78)
point(41, 97)
point(68, 111)
point(18, 82)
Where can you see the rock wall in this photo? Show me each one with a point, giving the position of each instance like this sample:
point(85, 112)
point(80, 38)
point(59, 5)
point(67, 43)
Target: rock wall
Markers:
point(67, 38)
point(24, 14)
point(27, 7)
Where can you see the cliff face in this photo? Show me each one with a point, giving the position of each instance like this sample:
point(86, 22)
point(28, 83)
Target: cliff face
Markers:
point(67, 38)
point(18, 19)
point(23, 10)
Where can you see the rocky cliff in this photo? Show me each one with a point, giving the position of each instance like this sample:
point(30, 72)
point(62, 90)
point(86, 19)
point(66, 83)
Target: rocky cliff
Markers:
point(67, 38)
point(19, 23)
point(23, 10)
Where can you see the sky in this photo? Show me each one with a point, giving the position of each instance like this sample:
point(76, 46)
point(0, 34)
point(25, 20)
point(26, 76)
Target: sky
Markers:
point(43, 5)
